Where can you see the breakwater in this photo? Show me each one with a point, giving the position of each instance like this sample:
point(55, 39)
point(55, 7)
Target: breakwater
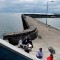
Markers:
point(43, 15)
point(29, 29)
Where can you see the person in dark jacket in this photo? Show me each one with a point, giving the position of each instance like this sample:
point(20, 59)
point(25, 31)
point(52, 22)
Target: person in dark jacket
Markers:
point(29, 40)
point(25, 41)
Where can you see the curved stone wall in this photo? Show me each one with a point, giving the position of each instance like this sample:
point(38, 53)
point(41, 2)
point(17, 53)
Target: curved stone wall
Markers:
point(30, 30)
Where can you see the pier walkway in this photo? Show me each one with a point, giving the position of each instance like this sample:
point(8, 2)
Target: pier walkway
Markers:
point(47, 36)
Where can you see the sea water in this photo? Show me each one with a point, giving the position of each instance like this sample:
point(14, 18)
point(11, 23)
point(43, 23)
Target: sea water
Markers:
point(54, 22)
point(10, 22)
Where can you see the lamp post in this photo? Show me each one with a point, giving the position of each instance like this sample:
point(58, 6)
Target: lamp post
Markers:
point(34, 9)
point(47, 10)
point(34, 12)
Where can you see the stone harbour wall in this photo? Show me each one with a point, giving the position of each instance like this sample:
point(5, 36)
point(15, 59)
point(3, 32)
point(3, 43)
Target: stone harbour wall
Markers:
point(29, 29)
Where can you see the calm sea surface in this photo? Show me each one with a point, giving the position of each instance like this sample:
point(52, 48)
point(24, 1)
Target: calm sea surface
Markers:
point(10, 22)
point(55, 22)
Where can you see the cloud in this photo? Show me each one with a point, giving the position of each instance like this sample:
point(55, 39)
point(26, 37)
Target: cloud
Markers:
point(28, 6)
point(26, 0)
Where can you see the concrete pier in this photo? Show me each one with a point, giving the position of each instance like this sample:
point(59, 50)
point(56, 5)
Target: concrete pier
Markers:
point(47, 37)
point(50, 37)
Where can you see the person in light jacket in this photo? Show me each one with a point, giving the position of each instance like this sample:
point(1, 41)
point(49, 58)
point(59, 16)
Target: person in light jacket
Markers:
point(39, 54)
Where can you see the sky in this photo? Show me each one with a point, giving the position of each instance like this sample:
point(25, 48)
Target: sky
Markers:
point(29, 6)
